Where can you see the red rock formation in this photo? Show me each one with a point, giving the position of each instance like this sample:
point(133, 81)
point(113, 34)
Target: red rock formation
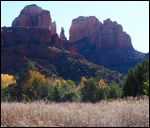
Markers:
point(83, 26)
point(107, 35)
point(21, 50)
point(12, 64)
point(25, 35)
point(45, 37)
point(34, 45)
point(110, 46)
point(32, 16)
point(44, 20)
point(53, 29)
point(62, 34)
point(69, 46)
point(7, 37)
point(33, 36)
point(110, 35)
point(56, 41)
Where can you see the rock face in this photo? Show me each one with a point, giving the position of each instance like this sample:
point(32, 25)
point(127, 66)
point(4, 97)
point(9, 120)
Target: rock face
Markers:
point(53, 25)
point(56, 41)
point(49, 57)
point(107, 35)
point(33, 16)
point(107, 45)
point(62, 34)
point(33, 36)
point(34, 43)
point(23, 35)
point(69, 46)
point(83, 26)
point(111, 35)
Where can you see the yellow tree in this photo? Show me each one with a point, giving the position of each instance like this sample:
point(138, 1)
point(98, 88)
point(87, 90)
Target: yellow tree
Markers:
point(102, 83)
point(6, 80)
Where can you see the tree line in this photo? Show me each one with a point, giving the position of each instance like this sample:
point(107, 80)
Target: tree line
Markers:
point(31, 85)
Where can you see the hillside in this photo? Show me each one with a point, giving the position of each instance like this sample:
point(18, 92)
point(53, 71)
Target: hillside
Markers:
point(104, 43)
point(92, 45)
point(20, 43)
point(33, 36)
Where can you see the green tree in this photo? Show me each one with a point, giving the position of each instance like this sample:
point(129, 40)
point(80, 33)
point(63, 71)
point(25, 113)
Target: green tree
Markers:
point(12, 93)
point(115, 91)
point(24, 75)
point(103, 93)
point(56, 94)
point(89, 91)
point(70, 96)
point(32, 85)
point(133, 84)
point(67, 91)
point(146, 88)
point(71, 83)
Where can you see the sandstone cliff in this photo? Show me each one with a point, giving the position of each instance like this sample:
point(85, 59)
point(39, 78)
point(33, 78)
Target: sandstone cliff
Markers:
point(106, 45)
point(37, 44)
point(56, 41)
point(111, 35)
point(69, 46)
point(22, 35)
point(50, 58)
point(107, 35)
point(53, 30)
point(33, 16)
point(62, 34)
point(34, 36)
point(83, 26)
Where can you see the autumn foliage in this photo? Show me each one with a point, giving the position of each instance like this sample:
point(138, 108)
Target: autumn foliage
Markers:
point(6, 80)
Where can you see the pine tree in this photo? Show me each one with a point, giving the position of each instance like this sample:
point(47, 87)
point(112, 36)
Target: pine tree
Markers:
point(134, 82)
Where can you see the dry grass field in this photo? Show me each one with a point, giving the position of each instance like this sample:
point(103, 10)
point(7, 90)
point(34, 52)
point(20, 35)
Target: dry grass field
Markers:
point(118, 113)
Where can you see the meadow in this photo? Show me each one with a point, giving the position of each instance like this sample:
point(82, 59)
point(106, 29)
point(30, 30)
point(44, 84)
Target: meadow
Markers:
point(131, 112)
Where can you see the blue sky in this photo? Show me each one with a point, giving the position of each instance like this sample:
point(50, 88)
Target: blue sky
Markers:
point(132, 15)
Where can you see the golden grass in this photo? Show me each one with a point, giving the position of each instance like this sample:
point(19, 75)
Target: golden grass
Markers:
point(123, 113)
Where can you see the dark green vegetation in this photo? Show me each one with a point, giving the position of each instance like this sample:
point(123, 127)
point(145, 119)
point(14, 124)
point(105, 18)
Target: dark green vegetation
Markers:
point(136, 82)
point(92, 91)
point(32, 85)
point(73, 69)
